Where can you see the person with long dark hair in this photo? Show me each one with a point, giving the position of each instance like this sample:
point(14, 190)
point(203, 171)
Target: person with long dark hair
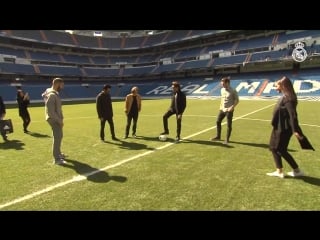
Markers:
point(284, 123)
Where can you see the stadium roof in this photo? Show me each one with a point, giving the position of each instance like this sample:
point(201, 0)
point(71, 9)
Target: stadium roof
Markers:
point(114, 33)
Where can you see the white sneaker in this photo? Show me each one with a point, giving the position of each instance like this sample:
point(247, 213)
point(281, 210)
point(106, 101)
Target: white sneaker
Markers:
point(295, 174)
point(276, 174)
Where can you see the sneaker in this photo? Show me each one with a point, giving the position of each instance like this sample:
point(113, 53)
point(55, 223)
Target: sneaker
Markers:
point(134, 135)
point(276, 174)
point(215, 139)
point(226, 142)
point(164, 133)
point(177, 139)
point(115, 139)
point(295, 174)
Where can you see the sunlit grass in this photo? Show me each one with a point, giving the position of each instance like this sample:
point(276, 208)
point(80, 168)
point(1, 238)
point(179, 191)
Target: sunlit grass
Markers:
point(146, 174)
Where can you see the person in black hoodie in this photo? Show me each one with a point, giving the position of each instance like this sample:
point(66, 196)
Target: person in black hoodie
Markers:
point(285, 123)
point(177, 107)
point(23, 103)
point(2, 115)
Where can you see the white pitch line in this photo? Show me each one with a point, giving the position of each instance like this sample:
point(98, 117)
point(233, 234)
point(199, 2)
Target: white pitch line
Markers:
point(265, 120)
point(84, 176)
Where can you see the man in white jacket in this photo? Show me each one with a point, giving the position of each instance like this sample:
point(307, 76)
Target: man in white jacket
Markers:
point(54, 117)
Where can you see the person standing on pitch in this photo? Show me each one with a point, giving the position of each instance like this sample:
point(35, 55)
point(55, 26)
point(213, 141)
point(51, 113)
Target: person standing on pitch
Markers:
point(23, 102)
point(105, 111)
point(54, 116)
point(229, 100)
point(178, 105)
point(132, 109)
point(2, 116)
point(285, 123)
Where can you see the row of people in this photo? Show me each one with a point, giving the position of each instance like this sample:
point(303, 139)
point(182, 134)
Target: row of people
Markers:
point(284, 119)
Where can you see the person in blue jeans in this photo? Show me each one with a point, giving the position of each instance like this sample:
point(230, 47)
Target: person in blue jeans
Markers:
point(229, 100)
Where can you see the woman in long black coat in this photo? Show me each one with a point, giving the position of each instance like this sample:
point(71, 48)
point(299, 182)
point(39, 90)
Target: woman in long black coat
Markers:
point(285, 123)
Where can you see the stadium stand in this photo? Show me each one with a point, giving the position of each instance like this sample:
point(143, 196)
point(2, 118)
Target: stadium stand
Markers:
point(191, 56)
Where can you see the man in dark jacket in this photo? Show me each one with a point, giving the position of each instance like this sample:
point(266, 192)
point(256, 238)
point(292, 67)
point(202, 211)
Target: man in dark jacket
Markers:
point(178, 105)
point(2, 115)
point(23, 103)
point(105, 112)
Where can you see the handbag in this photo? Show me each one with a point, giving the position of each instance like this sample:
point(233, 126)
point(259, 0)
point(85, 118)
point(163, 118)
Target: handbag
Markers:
point(6, 126)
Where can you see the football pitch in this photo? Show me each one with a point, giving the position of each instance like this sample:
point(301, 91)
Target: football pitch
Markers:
point(145, 174)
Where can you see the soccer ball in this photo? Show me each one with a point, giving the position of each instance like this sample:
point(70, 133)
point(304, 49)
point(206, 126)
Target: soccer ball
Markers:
point(163, 138)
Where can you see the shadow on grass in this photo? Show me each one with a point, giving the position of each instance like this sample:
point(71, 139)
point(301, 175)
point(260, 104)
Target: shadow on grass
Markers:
point(307, 179)
point(115, 142)
point(208, 142)
point(91, 173)
point(148, 138)
point(38, 135)
point(12, 144)
point(128, 145)
point(135, 146)
point(253, 144)
point(260, 145)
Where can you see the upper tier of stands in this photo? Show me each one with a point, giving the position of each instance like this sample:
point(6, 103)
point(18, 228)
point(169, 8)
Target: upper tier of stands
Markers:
point(111, 43)
point(47, 62)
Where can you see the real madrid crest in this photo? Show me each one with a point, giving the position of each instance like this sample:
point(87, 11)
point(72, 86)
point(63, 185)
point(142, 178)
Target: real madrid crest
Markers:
point(299, 54)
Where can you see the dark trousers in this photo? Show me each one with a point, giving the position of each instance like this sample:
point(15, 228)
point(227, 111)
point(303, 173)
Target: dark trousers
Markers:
point(102, 126)
point(165, 122)
point(3, 133)
point(221, 116)
point(282, 151)
point(4, 136)
point(134, 118)
point(26, 120)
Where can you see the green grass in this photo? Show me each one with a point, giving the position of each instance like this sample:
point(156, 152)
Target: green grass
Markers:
point(146, 174)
